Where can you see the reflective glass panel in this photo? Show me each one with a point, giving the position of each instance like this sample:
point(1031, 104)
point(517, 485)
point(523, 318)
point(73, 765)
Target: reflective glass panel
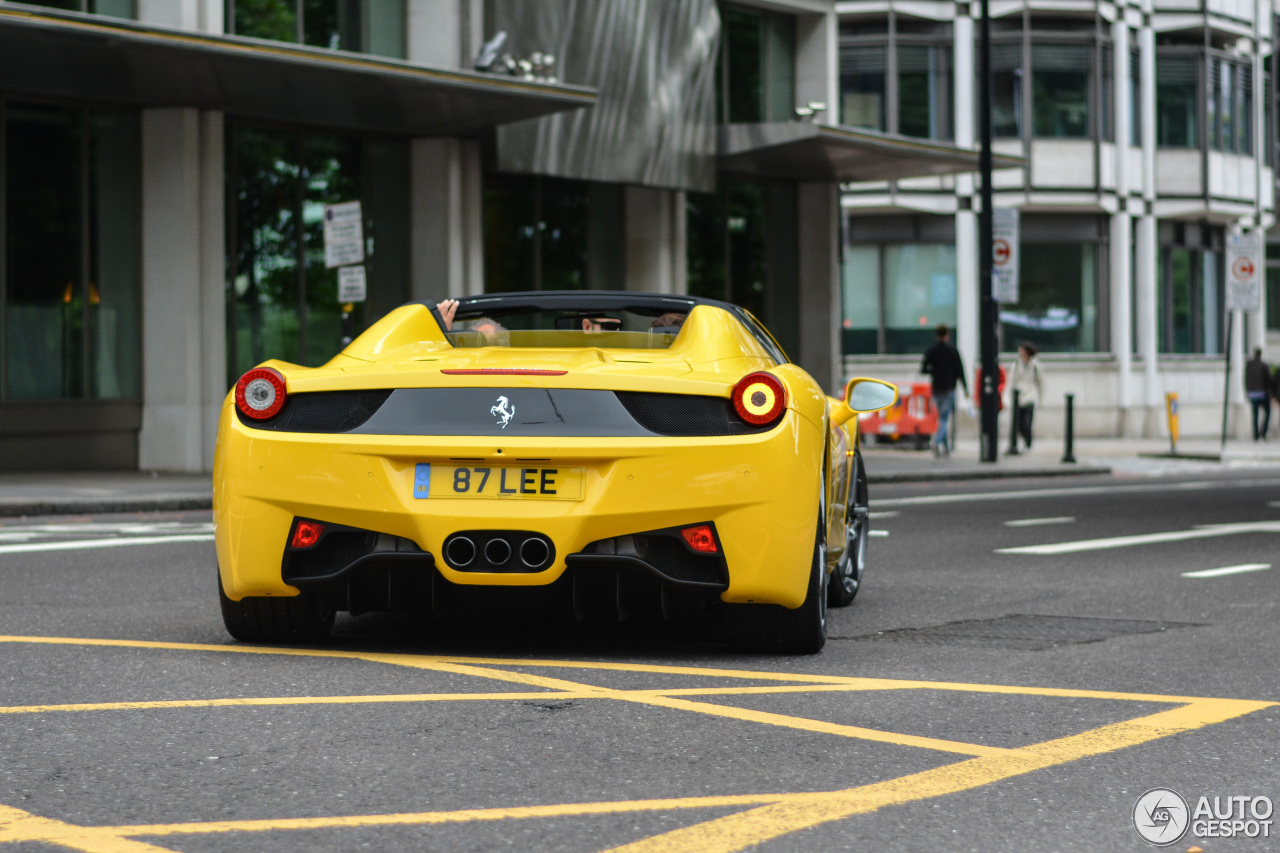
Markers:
point(1060, 90)
point(1177, 103)
point(44, 248)
point(115, 265)
point(924, 82)
point(332, 174)
point(1006, 90)
point(1057, 307)
point(860, 326)
point(862, 86)
point(266, 19)
point(919, 293)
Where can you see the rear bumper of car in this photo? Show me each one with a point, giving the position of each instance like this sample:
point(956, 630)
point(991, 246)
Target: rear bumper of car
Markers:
point(758, 492)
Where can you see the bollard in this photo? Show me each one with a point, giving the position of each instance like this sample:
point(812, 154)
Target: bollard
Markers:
point(1013, 426)
point(1067, 454)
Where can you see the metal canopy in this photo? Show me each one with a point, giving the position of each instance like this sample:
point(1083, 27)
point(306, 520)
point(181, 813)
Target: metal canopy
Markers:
point(98, 60)
point(817, 152)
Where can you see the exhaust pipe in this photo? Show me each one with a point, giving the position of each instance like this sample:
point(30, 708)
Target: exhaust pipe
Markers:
point(461, 551)
point(497, 551)
point(534, 552)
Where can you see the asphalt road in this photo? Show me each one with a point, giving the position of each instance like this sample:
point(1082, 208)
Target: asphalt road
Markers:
point(1004, 682)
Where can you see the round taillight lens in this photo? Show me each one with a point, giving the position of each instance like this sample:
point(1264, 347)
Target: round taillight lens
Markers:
point(260, 393)
point(760, 398)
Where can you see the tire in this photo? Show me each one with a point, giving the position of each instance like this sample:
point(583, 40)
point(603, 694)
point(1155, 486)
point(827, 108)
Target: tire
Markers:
point(271, 619)
point(846, 580)
point(772, 628)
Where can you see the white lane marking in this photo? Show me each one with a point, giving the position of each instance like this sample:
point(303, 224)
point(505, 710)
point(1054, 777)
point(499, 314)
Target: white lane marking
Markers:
point(102, 543)
point(890, 514)
point(1274, 504)
point(877, 533)
point(1037, 522)
point(153, 528)
point(1204, 532)
point(1227, 570)
point(1192, 486)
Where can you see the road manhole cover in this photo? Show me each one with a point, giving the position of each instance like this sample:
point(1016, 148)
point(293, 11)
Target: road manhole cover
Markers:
point(1032, 633)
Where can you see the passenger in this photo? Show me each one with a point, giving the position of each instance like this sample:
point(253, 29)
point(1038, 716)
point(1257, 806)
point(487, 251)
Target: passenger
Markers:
point(495, 334)
point(448, 308)
point(669, 322)
point(601, 324)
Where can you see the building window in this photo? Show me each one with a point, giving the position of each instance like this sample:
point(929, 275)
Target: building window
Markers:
point(552, 234)
point(111, 8)
point(363, 26)
point(283, 302)
point(1229, 105)
point(898, 80)
point(895, 295)
point(1006, 90)
point(1060, 82)
point(71, 271)
point(1189, 297)
point(1135, 98)
point(1057, 307)
point(757, 79)
point(863, 70)
point(1177, 102)
point(743, 248)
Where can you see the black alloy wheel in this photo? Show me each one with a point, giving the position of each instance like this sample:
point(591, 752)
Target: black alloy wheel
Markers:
point(846, 580)
point(275, 619)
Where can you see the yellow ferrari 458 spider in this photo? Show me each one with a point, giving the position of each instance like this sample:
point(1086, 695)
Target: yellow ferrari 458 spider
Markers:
point(591, 451)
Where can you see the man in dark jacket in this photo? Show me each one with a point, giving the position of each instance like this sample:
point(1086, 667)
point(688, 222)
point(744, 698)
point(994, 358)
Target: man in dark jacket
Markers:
point(942, 362)
point(1258, 387)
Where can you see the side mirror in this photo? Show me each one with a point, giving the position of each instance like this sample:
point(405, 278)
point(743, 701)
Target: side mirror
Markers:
point(865, 395)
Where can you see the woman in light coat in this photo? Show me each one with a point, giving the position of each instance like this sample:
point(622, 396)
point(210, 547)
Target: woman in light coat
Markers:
point(1026, 381)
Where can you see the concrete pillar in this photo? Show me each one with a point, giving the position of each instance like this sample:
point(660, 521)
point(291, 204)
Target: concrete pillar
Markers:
point(446, 199)
point(1121, 231)
point(1145, 256)
point(655, 240)
point(183, 294)
point(819, 272)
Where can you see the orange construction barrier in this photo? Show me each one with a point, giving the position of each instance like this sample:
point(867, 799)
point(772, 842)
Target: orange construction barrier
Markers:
point(913, 416)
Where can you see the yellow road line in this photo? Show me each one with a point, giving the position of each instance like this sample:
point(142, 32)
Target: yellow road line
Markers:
point(292, 700)
point(746, 829)
point(17, 826)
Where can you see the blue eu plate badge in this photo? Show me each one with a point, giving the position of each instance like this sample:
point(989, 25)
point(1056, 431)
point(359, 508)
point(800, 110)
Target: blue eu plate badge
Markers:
point(422, 480)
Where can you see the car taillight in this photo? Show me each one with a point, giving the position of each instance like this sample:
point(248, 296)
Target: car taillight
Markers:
point(759, 398)
point(306, 534)
point(700, 538)
point(260, 393)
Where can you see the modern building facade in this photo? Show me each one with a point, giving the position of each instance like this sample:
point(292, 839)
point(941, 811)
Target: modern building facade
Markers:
point(1148, 129)
point(166, 167)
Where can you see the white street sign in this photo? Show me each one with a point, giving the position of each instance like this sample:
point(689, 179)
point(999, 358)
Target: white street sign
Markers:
point(343, 234)
point(1245, 263)
point(351, 284)
point(1004, 254)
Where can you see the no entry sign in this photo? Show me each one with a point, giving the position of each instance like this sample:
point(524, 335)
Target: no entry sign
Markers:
point(1004, 255)
point(1244, 271)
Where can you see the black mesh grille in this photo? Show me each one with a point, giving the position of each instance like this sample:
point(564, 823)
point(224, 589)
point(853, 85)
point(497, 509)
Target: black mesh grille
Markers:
point(686, 414)
point(322, 411)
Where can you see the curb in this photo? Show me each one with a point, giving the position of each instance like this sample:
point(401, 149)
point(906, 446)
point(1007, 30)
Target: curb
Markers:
point(104, 506)
point(998, 474)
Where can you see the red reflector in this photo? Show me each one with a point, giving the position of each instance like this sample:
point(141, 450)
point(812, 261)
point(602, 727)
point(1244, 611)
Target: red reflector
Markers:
point(502, 371)
point(306, 534)
point(700, 538)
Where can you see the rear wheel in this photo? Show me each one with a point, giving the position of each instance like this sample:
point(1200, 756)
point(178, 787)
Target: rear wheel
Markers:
point(770, 627)
point(272, 619)
point(847, 578)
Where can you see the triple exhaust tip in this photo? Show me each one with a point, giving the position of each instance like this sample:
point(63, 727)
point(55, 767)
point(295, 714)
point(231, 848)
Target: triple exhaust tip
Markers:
point(534, 552)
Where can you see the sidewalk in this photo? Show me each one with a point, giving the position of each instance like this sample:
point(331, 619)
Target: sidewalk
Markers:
point(1144, 456)
point(87, 493)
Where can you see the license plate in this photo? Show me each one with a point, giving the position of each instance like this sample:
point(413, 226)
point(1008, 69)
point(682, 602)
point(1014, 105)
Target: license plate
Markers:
point(888, 429)
point(493, 481)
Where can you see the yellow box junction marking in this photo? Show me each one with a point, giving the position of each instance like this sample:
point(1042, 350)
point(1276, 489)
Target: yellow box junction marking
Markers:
point(764, 816)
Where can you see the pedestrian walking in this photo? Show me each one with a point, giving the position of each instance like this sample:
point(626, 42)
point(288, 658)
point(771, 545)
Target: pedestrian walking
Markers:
point(942, 363)
point(1027, 383)
point(1259, 386)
